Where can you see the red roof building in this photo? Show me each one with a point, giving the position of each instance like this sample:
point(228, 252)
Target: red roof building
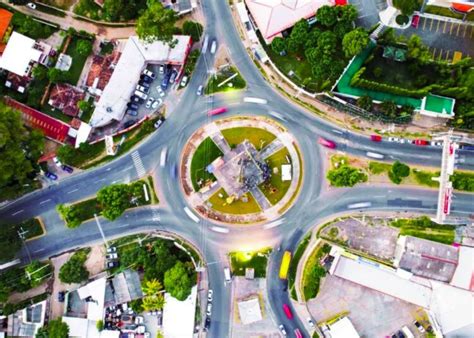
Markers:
point(101, 70)
point(5, 18)
point(65, 98)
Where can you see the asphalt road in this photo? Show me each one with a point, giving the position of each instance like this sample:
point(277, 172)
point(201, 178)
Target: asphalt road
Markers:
point(188, 115)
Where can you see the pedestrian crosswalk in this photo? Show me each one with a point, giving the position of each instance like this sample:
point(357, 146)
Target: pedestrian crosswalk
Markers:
point(137, 161)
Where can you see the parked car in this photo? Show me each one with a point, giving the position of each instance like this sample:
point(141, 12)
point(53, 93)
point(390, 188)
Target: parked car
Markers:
point(161, 69)
point(436, 143)
point(61, 297)
point(143, 89)
point(282, 330)
point(146, 78)
point(184, 81)
point(135, 99)
point(160, 91)
point(112, 264)
point(213, 47)
point(376, 138)
point(132, 105)
point(287, 311)
point(392, 139)
point(310, 322)
point(415, 21)
point(165, 81)
point(144, 84)
point(209, 295)
point(111, 256)
point(209, 309)
point(67, 169)
point(199, 90)
point(419, 142)
point(141, 95)
point(51, 176)
point(158, 123)
point(132, 112)
point(207, 324)
point(174, 73)
point(139, 320)
point(149, 102)
point(419, 326)
point(31, 5)
point(129, 123)
point(149, 73)
point(111, 249)
point(158, 102)
point(327, 143)
point(57, 162)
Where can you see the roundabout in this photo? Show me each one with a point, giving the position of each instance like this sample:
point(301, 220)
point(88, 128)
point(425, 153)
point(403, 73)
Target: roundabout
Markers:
point(241, 170)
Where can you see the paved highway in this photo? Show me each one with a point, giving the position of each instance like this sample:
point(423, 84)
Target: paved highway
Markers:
point(312, 205)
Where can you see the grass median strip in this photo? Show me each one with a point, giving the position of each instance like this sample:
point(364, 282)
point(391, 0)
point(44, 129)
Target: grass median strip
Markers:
point(423, 227)
point(313, 271)
point(294, 264)
point(256, 260)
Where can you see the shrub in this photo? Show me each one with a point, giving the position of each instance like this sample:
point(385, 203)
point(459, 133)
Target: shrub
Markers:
point(74, 271)
point(346, 176)
point(194, 29)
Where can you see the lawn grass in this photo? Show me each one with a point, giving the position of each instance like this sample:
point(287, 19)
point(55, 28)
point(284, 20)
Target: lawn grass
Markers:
point(337, 160)
point(377, 168)
point(32, 228)
point(276, 188)
point(257, 136)
point(443, 11)
point(151, 186)
point(205, 153)
point(423, 227)
point(423, 177)
point(313, 272)
point(238, 207)
point(237, 82)
point(257, 260)
point(78, 61)
point(294, 264)
point(86, 209)
point(88, 8)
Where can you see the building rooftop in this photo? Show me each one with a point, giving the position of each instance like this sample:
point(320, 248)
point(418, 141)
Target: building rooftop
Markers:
point(178, 316)
point(5, 18)
point(249, 310)
point(342, 328)
point(19, 53)
point(437, 106)
point(65, 98)
point(126, 286)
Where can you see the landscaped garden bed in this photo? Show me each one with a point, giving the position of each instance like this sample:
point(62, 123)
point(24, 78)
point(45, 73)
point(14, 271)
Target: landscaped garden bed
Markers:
point(257, 260)
point(314, 271)
point(205, 153)
point(214, 84)
point(257, 136)
point(276, 188)
point(425, 228)
point(294, 264)
point(245, 205)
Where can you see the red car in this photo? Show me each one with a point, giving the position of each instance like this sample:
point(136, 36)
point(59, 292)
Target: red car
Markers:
point(421, 142)
point(298, 333)
point(326, 143)
point(287, 311)
point(376, 138)
point(415, 20)
point(216, 111)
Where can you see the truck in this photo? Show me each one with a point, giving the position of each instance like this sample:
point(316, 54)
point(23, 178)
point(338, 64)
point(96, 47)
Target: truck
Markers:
point(227, 276)
point(285, 264)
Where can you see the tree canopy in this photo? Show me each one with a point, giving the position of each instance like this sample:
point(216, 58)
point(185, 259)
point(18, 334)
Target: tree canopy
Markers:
point(299, 35)
point(354, 42)
point(122, 10)
point(178, 282)
point(278, 45)
point(345, 176)
point(407, 7)
point(327, 15)
point(156, 23)
point(114, 199)
point(74, 271)
point(10, 242)
point(55, 328)
point(84, 47)
point(194, 29)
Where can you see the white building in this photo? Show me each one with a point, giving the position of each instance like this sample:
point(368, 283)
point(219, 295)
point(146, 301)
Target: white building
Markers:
point(20, 54)
point(178, 316)
point(342, 328)
point(135, 57)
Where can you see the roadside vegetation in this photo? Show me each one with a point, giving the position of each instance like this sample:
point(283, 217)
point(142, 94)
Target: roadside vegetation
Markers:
point(294, 265)
point(74, 271)
point(346, 176)
point(314, 271)
point(257, 260)
point(13, 235)
point(425, 228)
point(216, 82)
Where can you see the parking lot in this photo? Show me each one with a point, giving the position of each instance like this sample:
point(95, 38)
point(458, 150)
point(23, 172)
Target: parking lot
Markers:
point(447, 41)
point(373, 313)
point(368, 11)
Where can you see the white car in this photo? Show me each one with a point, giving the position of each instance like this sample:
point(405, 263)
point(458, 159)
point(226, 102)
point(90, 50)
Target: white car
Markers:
point(209, 309)
point(111, 256)
point(162, 69)
point(150, 74)
point(31, 5)
point(139, 320)
point(213, 47)
point(199, 91)
point(184, 81)
point(149, 102)
point(436, 143)
point(157, 103)
point(282, 330)
point(310, 323)
point(209, 295)
point(402, 141)
point(142, 89)
point(57, 162)
point(160, 91)
point(393, 139)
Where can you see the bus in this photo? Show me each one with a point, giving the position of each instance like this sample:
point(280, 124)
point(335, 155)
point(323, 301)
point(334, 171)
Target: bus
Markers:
point(285, 264)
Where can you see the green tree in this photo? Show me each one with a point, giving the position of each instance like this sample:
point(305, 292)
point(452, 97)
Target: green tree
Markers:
point(151, 303)
point(312, 39)
point(278, 45)
point(10, 242)
point(194, 29)
point(191, 61)
point(365, 102)
point(40, 72)
point(346, 176)
point(347, 13)
point(74, 271)
point(327, 15)
point(56, 75)
point(69, 214)
point(342, 28)
point(156, 23)
point(66, 153)
point(55, 328)
point(99, 325)
point(388, 109)
point(85, 106)
point(398, 172)
point(407, 7)
point(178, 282)
point(354, 42)
point(417, 50)
point(114, 199)
point(122, 10)
point(38, 272)
point(299, 34)
point(151, 287)
point(84, 47)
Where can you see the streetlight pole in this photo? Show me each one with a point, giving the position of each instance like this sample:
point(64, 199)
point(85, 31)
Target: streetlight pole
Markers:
point(100, 230)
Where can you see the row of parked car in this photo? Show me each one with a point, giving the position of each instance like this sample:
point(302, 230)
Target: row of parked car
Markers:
point(60, 165)
point(207, 323)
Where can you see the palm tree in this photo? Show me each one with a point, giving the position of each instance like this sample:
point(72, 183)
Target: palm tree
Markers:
point(152, 287)
point(155, 302)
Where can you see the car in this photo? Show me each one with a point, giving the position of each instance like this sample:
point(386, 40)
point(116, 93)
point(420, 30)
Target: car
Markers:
point(61, 297)
point(160, 91)
point(132, 105)
point(327, 143)
point(161, 69)
point(310, 322)
point(111, 256)
point(209, 309)
point(31, 5)
point(157, 103)
point(209, 295)
point(402, 141)
point(174, 73)
point(149, 102)
point(376, 138)
point(199, 90)
point(141, 95)
point(51, 176)
point(143, 89)
point(419, 326)
point(67, 169)
point(184, 81)
point(287, 311)
point(112, 264)
point(149, 73)
point(415, 21)
point(398, 334)
point(135, 99)
point(132, 112)
point(141, 329)
point(282, 329)
point(419, 142)
point(436, 143)
point(145, 78)
point(158, 123)
point(213, 46)
point(393, 139)
point(144, 84)
point(207, 324)
point(57, 162)
point(298, 333)
point(111, 249)
point(129, 123)
point(216, 111)
point(166, 80)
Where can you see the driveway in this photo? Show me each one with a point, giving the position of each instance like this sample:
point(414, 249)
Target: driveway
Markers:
point(444, 38)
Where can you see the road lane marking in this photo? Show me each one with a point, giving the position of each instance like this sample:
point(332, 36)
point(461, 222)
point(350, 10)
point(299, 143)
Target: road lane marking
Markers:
point(440, 54)
point(74, 190)
point(424, 23)
point(18, 212)
point(437, 27)
point(447, 55)
point(116, 181)
point(451, 28)
point(465, 30)
point(434, 52)
point(108, 169)
point(431, 24)
point(273, 224)
point(102, 179)
point(137, 161)
point(256, 100)
point(220, 229)
point(359, 205)
point(39, 250)
point(45, 201)
point(127, 168)
point(472, 31)
point(191, 215)
point(445, 24)
point(459, 26)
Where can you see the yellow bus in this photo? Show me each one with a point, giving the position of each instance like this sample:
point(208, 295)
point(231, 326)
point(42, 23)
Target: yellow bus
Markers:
point(285, 264)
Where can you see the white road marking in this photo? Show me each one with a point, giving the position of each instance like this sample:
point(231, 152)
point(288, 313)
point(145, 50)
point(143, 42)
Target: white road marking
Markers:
point(102, 179)
point(137, 161)
point(191, 215)
point(74, 190)
point(255, 100)
point(220, 229)
point(18, 212)
point(39, 250)
point(116, 181)
point(273, 224)
point(45, 201)
point(127, 168)
point(108, 169)
point(359, 205)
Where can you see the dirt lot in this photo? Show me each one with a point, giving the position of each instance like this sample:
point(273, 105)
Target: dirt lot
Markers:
point(373, 314)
